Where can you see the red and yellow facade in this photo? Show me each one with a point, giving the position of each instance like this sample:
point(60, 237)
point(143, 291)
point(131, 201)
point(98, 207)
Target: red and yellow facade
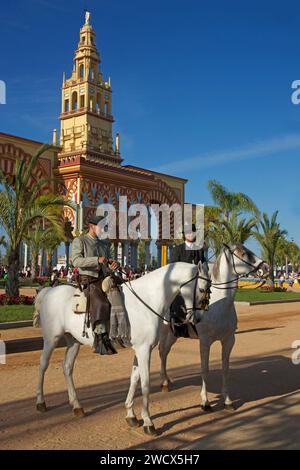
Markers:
point(87, 159)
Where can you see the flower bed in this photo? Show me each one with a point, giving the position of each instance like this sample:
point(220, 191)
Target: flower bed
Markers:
point(16, 300)
point(272, 289)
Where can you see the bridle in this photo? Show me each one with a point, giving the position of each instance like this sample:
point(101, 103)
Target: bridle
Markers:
point(204, 301)
point(254, 268)
point(204, 304)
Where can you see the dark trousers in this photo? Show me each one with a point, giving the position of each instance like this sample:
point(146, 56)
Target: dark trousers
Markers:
point(98, 305)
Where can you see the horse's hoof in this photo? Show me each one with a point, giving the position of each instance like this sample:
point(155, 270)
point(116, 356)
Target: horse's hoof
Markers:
point(132, 422)
point(207, 408)
point(150, 430)
point(41, 407)
point(79, 412)
point(165, 388)
point(229, 407)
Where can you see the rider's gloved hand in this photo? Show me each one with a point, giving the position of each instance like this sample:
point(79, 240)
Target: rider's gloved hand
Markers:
point(113, 265)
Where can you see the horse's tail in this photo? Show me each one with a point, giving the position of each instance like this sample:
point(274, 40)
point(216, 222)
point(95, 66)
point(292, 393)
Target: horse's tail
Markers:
point(37, 304)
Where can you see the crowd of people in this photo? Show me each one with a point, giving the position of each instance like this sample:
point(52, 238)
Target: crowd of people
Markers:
point(70, 274)
point(128, 273)
point(292, 279)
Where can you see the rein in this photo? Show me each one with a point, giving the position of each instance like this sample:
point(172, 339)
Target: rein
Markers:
point(129, 286)
point(216, 285)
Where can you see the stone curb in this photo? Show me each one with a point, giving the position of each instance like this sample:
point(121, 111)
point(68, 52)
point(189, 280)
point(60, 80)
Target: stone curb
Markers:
point(28, 344)
point(16, 324)
point(267, 302)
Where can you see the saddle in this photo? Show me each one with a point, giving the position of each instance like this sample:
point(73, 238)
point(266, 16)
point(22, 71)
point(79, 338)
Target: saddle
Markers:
point(89, 298)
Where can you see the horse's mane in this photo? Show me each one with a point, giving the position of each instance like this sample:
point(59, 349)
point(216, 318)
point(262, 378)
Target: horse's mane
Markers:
point(162, 269)
point(216, 267)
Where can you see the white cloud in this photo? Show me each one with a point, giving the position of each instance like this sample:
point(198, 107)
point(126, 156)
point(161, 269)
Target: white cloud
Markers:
point(254, 150)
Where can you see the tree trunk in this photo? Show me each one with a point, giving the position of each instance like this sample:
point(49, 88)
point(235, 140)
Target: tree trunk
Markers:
point(67, 245)
point(272, 277)
point(12, 285)
point(34, 265)
point(49, 263)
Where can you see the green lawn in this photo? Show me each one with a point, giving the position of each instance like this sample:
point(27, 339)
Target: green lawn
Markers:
point(25, 312)
point(252, 295)
point(16, 313)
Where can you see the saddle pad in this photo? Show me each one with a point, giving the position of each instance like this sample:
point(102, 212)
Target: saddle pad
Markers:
point(79, 302)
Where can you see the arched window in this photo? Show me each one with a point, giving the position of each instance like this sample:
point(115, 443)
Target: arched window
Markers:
point(67, 106)
point(106, 108)
point(91, 74)
point(81, 71)
point(98, 103)
point(74, 101)
point(82, 101)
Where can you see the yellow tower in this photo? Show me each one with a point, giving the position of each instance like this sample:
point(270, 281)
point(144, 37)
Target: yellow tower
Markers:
point(86, 118)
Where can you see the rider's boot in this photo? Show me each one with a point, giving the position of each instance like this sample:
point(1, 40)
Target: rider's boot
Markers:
point(103, 345)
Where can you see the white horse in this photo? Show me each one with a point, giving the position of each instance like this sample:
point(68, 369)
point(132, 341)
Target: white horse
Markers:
point(147, 301)
point(220, 321)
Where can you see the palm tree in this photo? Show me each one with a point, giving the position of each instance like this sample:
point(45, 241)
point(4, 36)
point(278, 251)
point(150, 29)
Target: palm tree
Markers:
point(21, 207)
point(229, 202)
point(223, 222)
point(295, 260)
point(34, 239)
point(288, 252)
point(51, 241)
point(283, 252)
point(43, 236)
point(214, 232)
point(239, 230)
point(269, 238)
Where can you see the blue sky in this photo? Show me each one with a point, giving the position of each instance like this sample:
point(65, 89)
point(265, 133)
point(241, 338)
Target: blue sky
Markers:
point(201, 89)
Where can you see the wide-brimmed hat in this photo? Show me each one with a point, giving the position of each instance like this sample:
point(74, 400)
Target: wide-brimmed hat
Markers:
point(94, 219)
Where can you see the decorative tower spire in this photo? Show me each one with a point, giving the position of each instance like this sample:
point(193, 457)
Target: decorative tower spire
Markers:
point(86, 118)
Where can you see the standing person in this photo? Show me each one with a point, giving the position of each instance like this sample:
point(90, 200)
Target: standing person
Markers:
point(281, 280)
point(54, 282)
point(291, 280)
point(69, 276)
point(90, 256)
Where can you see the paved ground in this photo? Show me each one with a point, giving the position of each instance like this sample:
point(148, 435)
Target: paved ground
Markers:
point(265, 387)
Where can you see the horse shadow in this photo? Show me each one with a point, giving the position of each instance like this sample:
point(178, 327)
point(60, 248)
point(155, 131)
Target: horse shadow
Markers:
point(251, 379)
